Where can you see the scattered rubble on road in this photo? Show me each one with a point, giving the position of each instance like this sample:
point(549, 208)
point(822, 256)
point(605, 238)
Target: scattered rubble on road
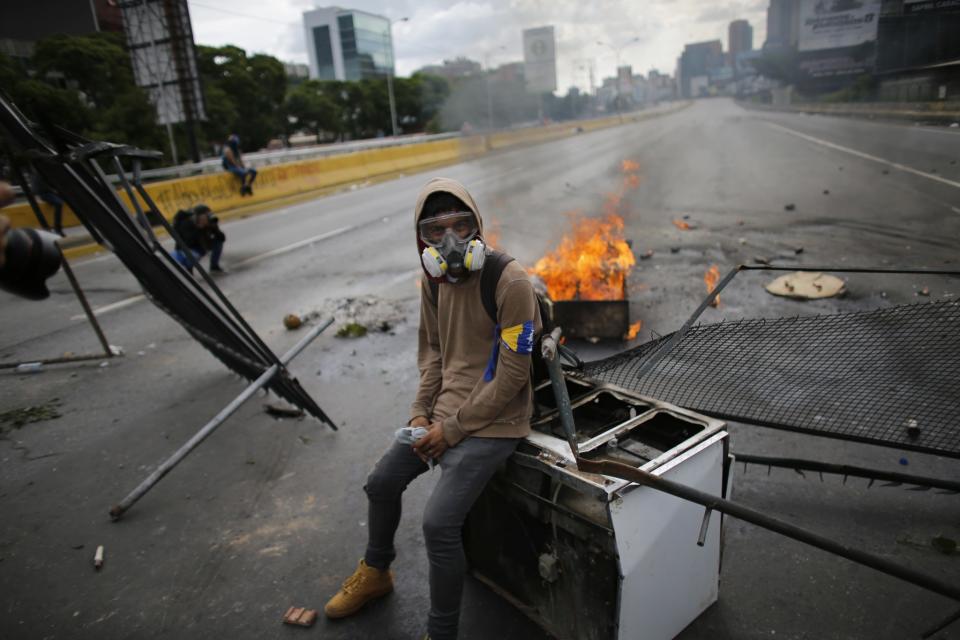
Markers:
point(17, 418)
point(806, 285)
point(355, 317)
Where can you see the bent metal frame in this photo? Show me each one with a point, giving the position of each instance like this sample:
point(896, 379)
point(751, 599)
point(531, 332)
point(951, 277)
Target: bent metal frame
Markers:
point(71, 164)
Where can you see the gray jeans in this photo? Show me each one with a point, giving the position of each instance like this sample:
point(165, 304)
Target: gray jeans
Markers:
point(465, 468)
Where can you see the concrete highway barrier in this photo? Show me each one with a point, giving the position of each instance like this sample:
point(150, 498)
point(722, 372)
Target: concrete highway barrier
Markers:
point(221, 191)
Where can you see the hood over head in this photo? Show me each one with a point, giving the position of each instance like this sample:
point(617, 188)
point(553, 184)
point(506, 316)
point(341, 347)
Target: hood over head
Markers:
point(443, 185)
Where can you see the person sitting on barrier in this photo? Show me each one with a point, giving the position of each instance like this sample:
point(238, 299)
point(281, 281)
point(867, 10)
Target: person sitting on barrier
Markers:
point(200, 234)
point(475, 400)
point(233, 162)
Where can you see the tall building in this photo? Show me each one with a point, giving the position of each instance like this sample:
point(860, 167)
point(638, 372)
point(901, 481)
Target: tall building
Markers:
point(783, 24)
point(345, 44)
point(698, 62)
point(739, 38)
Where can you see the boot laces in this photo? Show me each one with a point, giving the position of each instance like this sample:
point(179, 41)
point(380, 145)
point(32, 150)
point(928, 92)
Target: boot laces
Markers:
point(353, 583)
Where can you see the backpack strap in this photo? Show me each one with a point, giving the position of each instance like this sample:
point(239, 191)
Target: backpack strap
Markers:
point(493, 267)
point(434, 291)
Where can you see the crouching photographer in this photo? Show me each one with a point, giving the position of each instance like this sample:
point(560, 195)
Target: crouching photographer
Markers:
point(199, 233)
point(27, 256)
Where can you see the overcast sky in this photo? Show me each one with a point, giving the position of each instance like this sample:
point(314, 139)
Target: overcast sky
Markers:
point(439, 29)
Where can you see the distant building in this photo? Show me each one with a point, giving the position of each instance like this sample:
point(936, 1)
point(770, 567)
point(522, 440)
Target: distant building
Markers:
point(296, 70)
point(452, 69)
point(23, 23)
point(345, 44)
point(699, 61)
point(625, 79)
point(739, 38)
point(509, 72)
point(783, 24)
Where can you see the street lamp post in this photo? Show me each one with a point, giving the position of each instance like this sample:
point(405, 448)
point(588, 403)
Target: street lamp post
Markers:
point(616, 51)
point(393, 104)
point(486, 67)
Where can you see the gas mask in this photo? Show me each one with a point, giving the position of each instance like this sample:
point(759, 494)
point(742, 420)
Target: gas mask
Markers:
point(452, 247)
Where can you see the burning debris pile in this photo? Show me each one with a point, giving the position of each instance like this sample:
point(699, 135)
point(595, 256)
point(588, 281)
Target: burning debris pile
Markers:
point(585, 276)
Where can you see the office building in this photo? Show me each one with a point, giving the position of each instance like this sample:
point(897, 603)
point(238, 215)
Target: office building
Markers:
point(698, 62)
point(739, 38)
point(345, 44)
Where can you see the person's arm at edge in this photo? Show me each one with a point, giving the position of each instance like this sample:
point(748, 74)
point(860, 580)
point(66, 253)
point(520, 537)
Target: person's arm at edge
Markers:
point(428, 357)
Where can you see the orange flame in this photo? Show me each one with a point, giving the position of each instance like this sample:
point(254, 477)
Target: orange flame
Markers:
point(591, 263)
point(633, 330)
point(491, 231)
point(680, 224)
point(711, 278)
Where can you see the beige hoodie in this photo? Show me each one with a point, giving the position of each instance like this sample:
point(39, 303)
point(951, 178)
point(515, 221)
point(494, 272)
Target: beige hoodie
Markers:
point(456, 341)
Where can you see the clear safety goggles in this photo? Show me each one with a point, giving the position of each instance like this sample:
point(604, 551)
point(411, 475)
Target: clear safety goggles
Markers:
point(462, 223)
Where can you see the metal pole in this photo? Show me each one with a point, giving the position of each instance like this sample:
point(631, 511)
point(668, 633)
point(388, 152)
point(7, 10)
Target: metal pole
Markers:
point(68, 271)
point(118, 510)
point(847, 470)
point(393, 107)
point(549, 348)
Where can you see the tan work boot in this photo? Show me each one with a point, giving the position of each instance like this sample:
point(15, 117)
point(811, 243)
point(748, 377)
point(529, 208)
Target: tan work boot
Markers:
point(364, 585)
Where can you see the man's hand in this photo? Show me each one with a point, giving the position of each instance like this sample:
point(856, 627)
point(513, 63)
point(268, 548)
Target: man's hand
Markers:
point(432, 445)
point(420, 421)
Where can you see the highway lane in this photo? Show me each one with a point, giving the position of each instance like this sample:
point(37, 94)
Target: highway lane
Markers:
point(267, 514)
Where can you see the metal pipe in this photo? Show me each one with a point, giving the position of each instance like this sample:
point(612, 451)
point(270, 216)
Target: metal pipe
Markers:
point(119, 509)
point(847, 470)
point(549, 348)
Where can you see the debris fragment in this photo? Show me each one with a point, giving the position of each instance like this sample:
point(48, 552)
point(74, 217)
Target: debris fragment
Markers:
point(646, 255)
point(798, 250)
point(300, 616)
point(806, 285)
point(924, 292)
point(913, 427)
point(789, 207)
point(29, 367)
point(826, 192)
point(115, 350)
point(98, 558)
point(292, 321)
point(683, 226)
point(26, 415)
point(742, 240)
point(886, 172)
point(761, 260)
point(674, 249)
point(278, 411)
point(352, 330)
point(943, 544)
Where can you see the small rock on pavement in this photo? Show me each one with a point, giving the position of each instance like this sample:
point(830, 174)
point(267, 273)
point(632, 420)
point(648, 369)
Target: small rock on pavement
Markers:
point(826, 192)
point(924, 292)
point(292, 321)
point(798, 250)
point(789, 207)
point(646, 255)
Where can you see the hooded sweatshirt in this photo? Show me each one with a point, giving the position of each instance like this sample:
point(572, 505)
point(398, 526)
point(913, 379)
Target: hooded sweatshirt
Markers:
point(456, 343)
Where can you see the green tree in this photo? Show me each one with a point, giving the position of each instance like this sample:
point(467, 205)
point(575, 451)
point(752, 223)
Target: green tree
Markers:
point(314, 106)
point(248, 94)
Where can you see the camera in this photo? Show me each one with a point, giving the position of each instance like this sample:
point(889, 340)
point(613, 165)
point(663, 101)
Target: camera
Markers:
point(30, 257)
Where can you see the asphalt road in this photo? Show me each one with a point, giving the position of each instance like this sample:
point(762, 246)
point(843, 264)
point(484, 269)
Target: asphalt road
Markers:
point(268, 514)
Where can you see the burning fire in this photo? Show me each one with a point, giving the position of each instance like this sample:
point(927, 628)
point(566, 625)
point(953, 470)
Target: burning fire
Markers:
point(711, 277)
point(633, 331)
point(592, 262)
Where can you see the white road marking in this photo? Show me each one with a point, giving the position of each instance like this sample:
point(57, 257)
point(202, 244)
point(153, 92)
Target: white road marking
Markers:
point(296, 245)
point(867, 156)
point(113, 306)
point(126, 302)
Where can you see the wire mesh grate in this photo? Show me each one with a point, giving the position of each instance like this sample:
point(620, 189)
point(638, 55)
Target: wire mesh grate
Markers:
point(889, 376)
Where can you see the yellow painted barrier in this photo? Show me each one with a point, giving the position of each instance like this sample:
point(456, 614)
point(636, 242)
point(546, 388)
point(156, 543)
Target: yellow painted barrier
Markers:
point(221, 191)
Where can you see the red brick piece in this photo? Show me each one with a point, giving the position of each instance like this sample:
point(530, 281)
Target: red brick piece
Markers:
point(300, 616)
